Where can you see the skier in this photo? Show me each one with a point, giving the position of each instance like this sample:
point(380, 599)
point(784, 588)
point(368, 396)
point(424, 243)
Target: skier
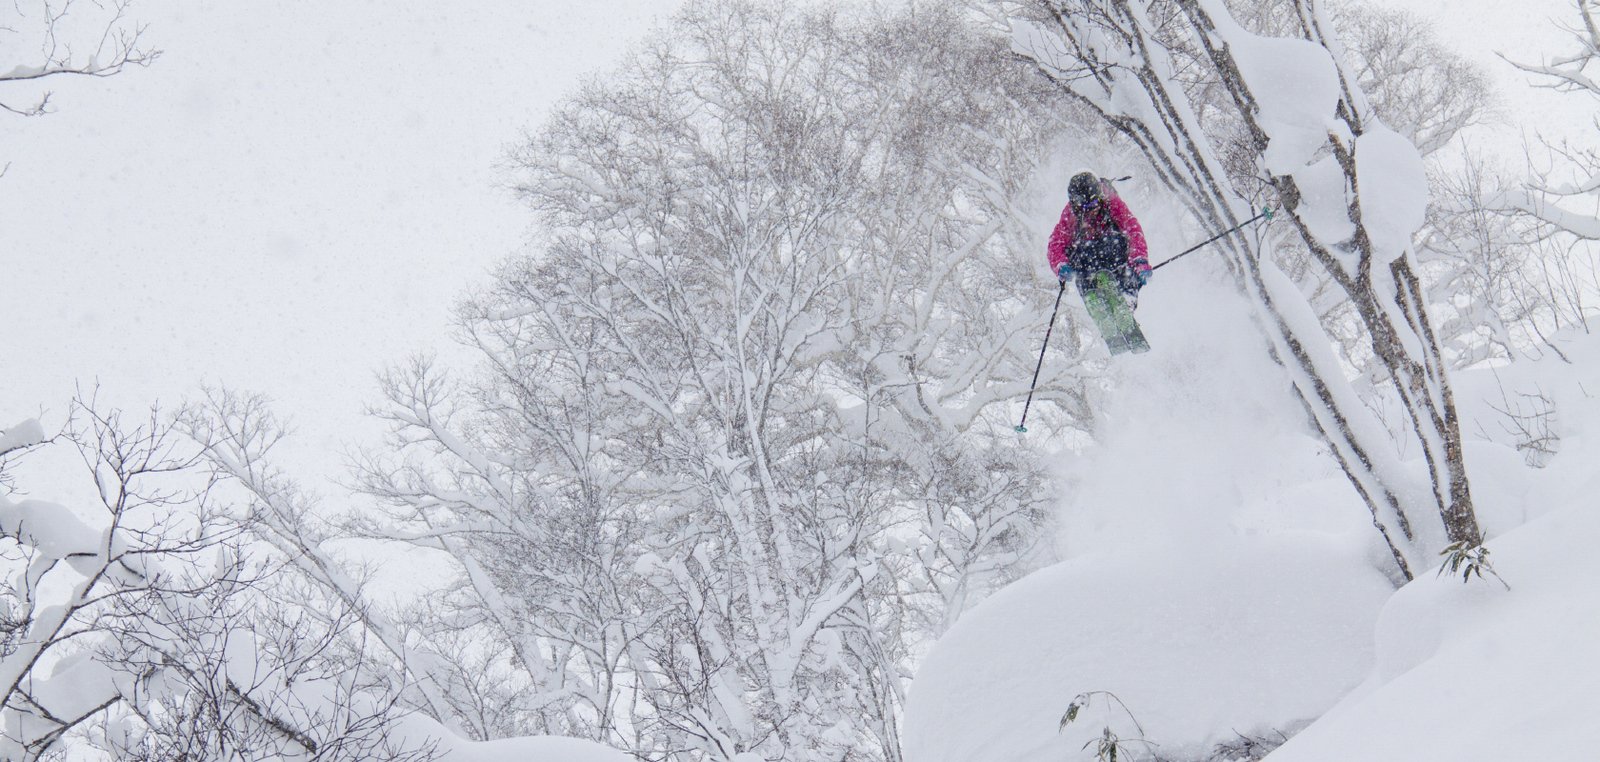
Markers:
point(1097, 233)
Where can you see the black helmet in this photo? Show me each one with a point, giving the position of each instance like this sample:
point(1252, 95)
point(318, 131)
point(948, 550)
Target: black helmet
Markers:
point(1084, 189)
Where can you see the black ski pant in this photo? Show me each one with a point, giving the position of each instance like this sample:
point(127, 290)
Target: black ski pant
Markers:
point(1106, 253)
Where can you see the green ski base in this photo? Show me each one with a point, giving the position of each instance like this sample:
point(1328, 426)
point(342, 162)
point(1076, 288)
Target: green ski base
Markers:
point(1113, 316)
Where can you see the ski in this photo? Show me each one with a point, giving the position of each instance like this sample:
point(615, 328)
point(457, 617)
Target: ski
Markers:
point(1112, 315)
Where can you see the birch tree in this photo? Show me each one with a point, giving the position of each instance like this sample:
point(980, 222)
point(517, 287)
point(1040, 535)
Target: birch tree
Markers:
point(742, 434)
point(1568, 206)
point(1303, 136)
point(1563, 198)
point(145, 628)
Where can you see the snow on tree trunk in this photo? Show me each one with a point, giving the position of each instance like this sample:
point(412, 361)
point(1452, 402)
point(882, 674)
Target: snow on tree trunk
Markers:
point(1352, 190)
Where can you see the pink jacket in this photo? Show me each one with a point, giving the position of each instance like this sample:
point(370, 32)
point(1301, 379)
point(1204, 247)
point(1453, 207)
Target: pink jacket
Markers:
point(1061, 240)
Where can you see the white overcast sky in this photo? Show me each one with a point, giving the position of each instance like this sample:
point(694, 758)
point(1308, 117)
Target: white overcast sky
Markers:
point(291, 197)
point(295, 194)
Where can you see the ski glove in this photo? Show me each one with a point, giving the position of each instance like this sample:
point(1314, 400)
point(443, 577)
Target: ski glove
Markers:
point(1144, 278)
point(1064, 271)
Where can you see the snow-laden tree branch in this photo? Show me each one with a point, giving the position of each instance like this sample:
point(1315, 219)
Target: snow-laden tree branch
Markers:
point(59, 38)
point(741, 439)
point(1567, 201)
point(1301, 133)
point(149, 627)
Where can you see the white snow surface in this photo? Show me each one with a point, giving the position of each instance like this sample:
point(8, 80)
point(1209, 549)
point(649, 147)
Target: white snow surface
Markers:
point(1529, 31)
point(1215, 598)
point(1220, 577)
point(1197, 640)
point(416, 730)
point(1478, 672)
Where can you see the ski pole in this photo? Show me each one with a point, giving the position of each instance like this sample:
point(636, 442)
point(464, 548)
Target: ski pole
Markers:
point(1266, 212)
point(1021, 427)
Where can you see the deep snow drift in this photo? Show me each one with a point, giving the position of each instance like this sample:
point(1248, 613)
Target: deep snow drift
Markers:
point(1478, 672)
point(1225, 584)
point(417, 731)
point(1221, 577)
point(1196, 642)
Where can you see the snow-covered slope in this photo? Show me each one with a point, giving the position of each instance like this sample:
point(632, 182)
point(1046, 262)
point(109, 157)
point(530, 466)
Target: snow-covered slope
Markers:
point(1223, 582)
point(1476, 671)
point(1221, 577)
point(1258, 635)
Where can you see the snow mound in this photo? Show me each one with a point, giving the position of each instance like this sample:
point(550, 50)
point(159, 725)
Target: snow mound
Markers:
point(417, 730)
point(1221, 574)
point(1470, 672)
point(1197, 641)
point(1476, 672)
point(534, 749)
